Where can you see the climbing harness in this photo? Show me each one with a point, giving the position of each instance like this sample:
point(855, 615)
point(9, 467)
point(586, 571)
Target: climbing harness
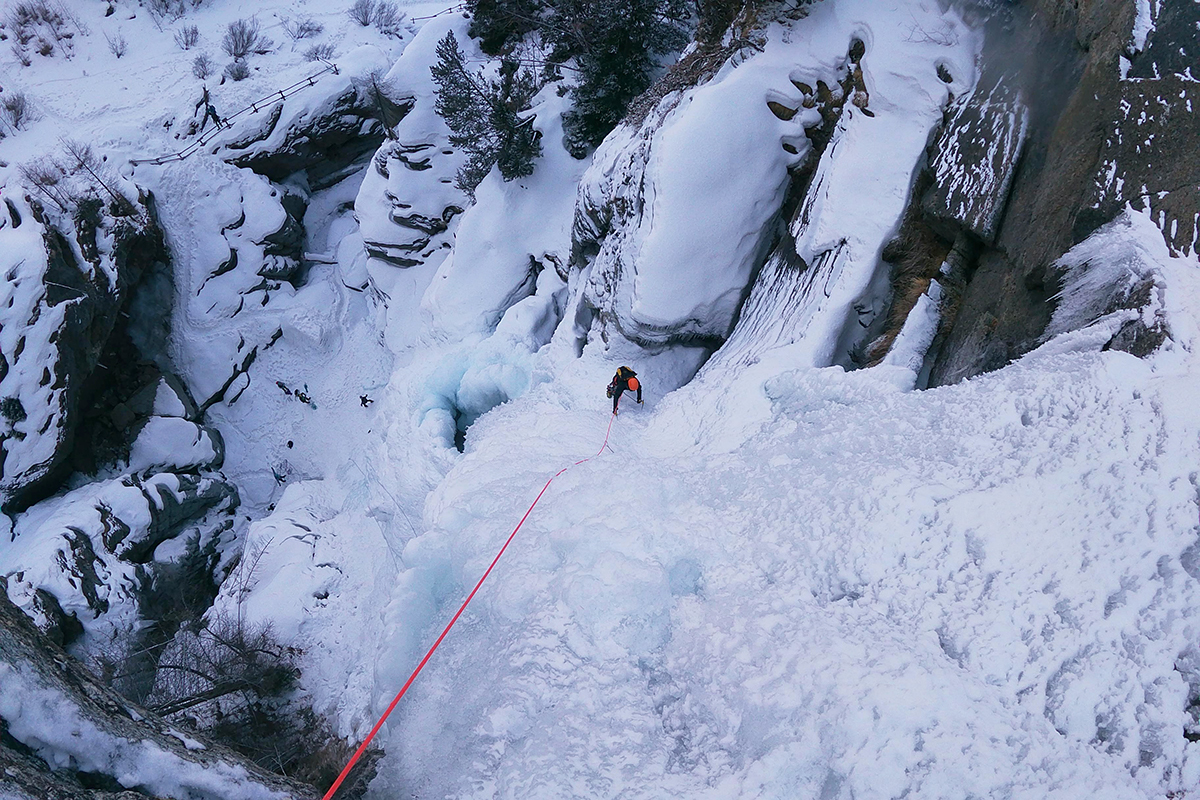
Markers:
point(253, 108)
point(363, 747)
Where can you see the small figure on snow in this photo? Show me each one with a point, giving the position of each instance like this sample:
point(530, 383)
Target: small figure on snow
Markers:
point(624, 380)
point(210, 111)
point(366, 401)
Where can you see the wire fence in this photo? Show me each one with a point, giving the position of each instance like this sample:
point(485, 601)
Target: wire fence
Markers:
point(253, 108)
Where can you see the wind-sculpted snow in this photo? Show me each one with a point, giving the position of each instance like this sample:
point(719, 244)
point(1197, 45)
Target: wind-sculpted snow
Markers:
point(674, 215)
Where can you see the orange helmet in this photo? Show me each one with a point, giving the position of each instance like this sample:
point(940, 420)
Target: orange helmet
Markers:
point(633, 384)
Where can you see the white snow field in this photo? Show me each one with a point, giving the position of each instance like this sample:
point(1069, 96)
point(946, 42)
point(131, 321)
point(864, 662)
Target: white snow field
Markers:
point(781, 579)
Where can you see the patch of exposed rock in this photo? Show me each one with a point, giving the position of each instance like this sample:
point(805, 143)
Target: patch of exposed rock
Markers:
point(1110, 125)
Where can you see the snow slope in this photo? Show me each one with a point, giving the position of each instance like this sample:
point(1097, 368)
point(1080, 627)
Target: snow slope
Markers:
point(782, 579)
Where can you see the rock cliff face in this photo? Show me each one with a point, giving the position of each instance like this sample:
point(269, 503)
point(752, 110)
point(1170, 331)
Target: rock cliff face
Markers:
point(326, 138)
point(1109, 125)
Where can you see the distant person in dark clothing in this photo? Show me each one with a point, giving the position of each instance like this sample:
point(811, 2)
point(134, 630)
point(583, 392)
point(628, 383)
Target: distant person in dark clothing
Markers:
point(624, 380)
point(210, 111)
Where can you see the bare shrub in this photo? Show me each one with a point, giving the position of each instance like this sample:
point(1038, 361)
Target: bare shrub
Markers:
point(301, 28)
point(117, 44)
point(237, 71)
point(45, 176)
point(243, 37)
point(38, 25)
point(387, 18)
point(187, 37)
point(169, 10)
point(228, 656)
point(81, 158)
point(202, 66)
point(319, 52)
point(362, 12)
point(17, 109)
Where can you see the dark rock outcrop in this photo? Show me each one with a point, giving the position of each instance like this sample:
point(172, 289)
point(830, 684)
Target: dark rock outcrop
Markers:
point(974, 160)
point(1096, 142)
point(328, 143)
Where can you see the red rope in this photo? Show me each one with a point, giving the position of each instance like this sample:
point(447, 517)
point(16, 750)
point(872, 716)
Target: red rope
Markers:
point(362, 747)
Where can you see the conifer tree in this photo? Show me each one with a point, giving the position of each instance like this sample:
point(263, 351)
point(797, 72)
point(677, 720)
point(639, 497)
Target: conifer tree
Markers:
point(485, 115)
point(614, 44)
point(500, 24)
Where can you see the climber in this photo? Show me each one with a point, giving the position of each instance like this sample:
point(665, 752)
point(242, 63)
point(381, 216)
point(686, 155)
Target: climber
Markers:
point(625, 379)
point(210, 111)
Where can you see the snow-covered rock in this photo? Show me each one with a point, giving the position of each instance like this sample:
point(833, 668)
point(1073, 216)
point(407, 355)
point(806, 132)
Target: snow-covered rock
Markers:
point(408, 205)
point(1113, 282)
point(65, 283)
point(325, 131)
point(675, 212)
point(87, 549)
point(825, 282)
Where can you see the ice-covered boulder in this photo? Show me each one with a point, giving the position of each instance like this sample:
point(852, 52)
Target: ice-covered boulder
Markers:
point(1113, 282)
point(66, 282)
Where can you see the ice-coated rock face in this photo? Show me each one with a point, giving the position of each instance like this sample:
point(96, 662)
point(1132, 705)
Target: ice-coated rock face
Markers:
point(240, 253)
point(824, 284)
point(408, 204)
point(65, 282)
